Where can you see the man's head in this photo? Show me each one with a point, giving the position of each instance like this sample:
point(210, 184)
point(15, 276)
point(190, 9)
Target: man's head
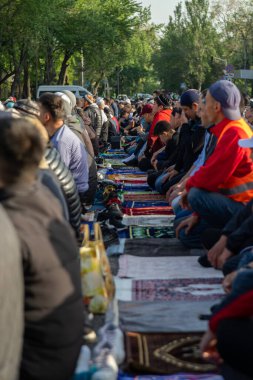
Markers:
point(156, 93)
point(27, 107)
point(161, 102)
point(67, 104)
point(147, 113)
point(202, 110)
point(223, 101)
point(21, 150)
point(51, 109)
point(87, 100)
point(164, 131)
point(100, 102)
point(189, 103)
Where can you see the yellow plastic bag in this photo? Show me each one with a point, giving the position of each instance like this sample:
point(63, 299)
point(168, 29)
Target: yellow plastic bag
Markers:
point(97, 280)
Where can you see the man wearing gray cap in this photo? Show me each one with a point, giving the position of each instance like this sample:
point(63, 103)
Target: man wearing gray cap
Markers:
point(224, 183)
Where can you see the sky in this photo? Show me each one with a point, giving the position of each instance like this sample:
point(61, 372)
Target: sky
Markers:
point(160, 9)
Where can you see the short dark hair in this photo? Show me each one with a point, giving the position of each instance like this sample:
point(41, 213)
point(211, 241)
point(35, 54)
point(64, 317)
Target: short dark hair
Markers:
point(54, 105)
point(21, 148)
point(162, 100)
point(162, 126)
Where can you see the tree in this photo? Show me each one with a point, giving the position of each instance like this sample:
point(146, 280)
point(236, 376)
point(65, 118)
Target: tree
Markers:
point(187, 46)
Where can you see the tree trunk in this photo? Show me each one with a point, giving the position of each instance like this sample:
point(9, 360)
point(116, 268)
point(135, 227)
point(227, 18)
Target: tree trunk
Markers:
point(26, 93)
point(96, 85)
point(6, 76)
point(64, 66)
point(15, 87)
point(49, 74)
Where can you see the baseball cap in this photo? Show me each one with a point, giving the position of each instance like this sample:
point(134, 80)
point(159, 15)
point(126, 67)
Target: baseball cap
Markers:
point(246, 143)
point(89, 98)
point(189, 97)
point(228, 95)
point(148, 108)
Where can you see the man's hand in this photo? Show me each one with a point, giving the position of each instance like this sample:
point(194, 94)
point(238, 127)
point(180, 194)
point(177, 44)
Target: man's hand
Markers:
point(226, 254)
point(164, 179)
point(184, 200)
point(173, 173)
point(154, 164)
point(188, 224)
point(228, 281)
point(217, 250)
point(208, 348)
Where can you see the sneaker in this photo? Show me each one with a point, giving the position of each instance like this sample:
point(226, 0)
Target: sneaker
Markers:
point(110, 235)
point(111, 337)
point(115, 216)
point(204, 262)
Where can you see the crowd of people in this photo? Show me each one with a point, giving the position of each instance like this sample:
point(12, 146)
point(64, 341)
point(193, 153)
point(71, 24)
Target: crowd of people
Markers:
point(196, 151)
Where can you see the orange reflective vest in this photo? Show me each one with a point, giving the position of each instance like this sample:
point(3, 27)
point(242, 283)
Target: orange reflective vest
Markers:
point(240, 189)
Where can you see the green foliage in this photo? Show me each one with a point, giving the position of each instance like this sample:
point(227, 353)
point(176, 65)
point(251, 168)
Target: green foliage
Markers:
point(65, 41)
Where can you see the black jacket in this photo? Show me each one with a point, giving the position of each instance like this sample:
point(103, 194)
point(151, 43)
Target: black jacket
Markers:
point(191, 142)
point(94, 114)
point(53, 298)
point(68, 186)
point(240, 230)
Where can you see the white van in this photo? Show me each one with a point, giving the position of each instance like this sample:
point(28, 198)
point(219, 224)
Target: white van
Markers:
point(79, 91)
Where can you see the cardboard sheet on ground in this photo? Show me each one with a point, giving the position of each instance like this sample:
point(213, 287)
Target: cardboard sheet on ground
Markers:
point(163, 268)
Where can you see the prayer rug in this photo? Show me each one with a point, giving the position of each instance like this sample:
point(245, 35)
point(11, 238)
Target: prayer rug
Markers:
point(124, 170)
point(134, 187)
point(188, 289)
point(151, 268)
point(128, 177)
point(142, 196)
point(165, 353)
point(157, 247)
point(178, 376)
point(159, 316)
point(112, 155)
point(132, 204)
point(151, 220)
point(164, 210)
point(143, 232)
point(115, 151)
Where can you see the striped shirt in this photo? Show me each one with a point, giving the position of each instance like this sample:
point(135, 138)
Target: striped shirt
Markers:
point(73, 155)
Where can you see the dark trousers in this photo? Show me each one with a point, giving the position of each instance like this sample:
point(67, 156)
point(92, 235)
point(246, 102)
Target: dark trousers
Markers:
point(235, 345)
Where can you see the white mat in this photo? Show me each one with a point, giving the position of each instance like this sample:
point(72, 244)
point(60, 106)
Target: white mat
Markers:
point(152, 268)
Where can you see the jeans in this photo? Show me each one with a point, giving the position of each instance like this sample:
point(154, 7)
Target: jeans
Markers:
point(175, 205)
point(159, 182)
point(214, 209)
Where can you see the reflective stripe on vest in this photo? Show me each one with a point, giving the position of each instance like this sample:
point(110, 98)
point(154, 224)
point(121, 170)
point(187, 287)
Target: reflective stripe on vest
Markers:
point(239, 189)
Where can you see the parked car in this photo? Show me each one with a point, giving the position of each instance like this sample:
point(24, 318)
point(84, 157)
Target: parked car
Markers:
point(141, 96)
point(79, 91)
point(122, 97)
